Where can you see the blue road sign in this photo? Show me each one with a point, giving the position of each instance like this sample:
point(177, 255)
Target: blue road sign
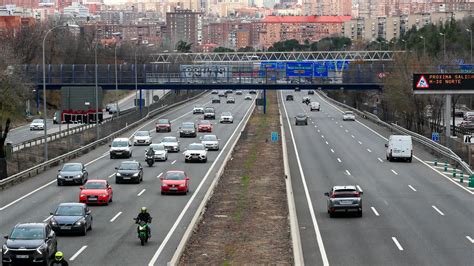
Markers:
point(466, 67)
point(274, 136)
point(299, 69)
point(320, 69)
point(435, 136)
point(337, 65)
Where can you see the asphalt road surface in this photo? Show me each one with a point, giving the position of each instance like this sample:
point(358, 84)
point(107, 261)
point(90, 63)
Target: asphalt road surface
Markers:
point(23, 133)
point(412, 214)
point(113, 239)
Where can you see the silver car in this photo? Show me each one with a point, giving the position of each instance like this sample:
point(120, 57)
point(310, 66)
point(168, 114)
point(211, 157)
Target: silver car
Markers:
point(171, 144)
point(211, 142)
point(161, 154)
point(344, 199)
point(72, 173)
point(301, 119)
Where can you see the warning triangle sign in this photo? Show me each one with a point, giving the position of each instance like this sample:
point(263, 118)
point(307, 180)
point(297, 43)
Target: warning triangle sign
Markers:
point(422, 83)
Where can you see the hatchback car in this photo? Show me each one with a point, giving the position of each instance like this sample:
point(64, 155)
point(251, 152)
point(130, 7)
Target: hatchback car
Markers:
point(301, 119)
point(344, 199)
point(248, 97)
point(289, 97)
point(310, 92)
point(211, 142)
point(30, 243)
point(315, 106)
point(209, 113)
point(226, 117)
point(142, 138)
point(171, 144)
point(214, 92)
point(195, 152)
point(216, 100)
point(174, 182)
point(204, 126)
point(198, 110)
point(37, 124)
point(163, 125)
point(238, 92)
point(73, 173)
point(348, 116)
point(253, 91)
point(71, 217)
point(96, 191)
point(230, 100)
point(129, 171)
point(188, 129)
point(161, 154)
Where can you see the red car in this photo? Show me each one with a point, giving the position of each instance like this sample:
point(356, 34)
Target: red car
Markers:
point(205, 126)
point(163, 125)
point(96, 191)
point(174, 182)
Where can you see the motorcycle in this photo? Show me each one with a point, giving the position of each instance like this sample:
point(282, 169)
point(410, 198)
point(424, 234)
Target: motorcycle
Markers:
point(150, 160)
point(142, 231)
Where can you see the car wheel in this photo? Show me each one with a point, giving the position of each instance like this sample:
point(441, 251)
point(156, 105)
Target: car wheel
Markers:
point(117, 181)
point(90, 225)
point(162, 193)
point(331, 214)
point(111, 156)
point(205, 160)
point(84, 231)
point(359, 214)
point(60, 183)
point(186, 160)
point(111, 199)
point(410, 159)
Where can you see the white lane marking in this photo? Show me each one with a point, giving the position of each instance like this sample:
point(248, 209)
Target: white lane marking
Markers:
point(347, 172)
point(347, 131)
point(318, 131)
point(86, 164)
point(312, 122)
point(196, 192)
point(375, 211)
point(360, 142)
point(322, 136)
point(110, 176)
point(436, 209)
point(359, 188)
point(319, 238)
point(327, 143)
point(158, 176)
point(141, 192)
point(470, 239)
point(336, 122)
point(369, 150)
point(394, 239)
point(339, 160)
point(393, 171)
point(412, 188)
point(332, 150)
point(315, 126)
point(340, 126)
point(173, 162)
point(380, 160)
point(115, 217)
point(353, 136)
point(47, 219)
point(78, 253)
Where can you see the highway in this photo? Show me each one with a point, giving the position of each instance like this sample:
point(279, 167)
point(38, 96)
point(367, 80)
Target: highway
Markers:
point(113, 239)
point(23, 133)
point(413, 215)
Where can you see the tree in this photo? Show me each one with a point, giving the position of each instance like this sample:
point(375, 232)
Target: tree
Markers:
point(221, 49)
point(246, 49)
point(183, 47)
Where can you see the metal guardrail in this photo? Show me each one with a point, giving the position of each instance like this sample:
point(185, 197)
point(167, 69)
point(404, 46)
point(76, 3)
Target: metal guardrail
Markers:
point(72, 154)
point(436, 147)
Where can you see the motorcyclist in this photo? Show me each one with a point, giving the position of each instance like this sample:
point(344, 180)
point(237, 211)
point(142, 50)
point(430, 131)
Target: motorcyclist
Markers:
point(150, 152)
point(59, 260)
point(306, 101)
point(145, 217)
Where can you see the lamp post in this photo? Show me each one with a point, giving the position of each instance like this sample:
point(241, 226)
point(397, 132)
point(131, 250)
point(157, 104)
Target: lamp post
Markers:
point(424, 45)
point(116, 75)
point(405, 42)
point(96, 89)
point(470, 32)
point(444, 44)
point(44, 92)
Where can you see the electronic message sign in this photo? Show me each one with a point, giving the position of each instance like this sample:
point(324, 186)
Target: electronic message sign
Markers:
point(443, 83)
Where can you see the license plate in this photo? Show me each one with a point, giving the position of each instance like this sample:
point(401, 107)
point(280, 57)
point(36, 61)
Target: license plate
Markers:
point(396, 151)
point(119, 152)
point(92, 198)
point(126, 178)
point(173, 188)
point(65, 227)
point(346, 202)
point(22, 256)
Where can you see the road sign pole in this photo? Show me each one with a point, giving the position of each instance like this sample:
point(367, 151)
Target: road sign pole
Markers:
point(141, 102)
point(447, 116)
point(264, 100)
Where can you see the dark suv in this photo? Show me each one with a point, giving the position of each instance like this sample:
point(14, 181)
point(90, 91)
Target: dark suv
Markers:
point(129, 171)
point(30, 243)
point(289, 97)
point(188, 129)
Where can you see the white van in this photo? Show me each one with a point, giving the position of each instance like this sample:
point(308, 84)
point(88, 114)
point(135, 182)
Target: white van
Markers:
point(120, 147)
point(466, 115)
point(399, 147)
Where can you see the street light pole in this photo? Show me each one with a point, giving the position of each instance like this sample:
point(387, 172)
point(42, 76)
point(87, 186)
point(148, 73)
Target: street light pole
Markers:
point(96, 90)
point(470, 32)
point(424, 45)
point(444, 44)
point(405, 42)
point(116, 81)
point(44, 93)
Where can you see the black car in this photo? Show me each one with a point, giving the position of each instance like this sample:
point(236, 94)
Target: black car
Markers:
point(252, 91)
point(297, 89)
point(301, 119)
point(310, 92)
point(71, 217)
point(289, 97)
point(188, 129)
point(129, 171)
point(30, 243)
point(72, 173)
point(214, 92)
point(216, 100)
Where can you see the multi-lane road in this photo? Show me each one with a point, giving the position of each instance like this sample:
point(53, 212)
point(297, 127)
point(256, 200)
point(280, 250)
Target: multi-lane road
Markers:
point(113, 239)
point(413, 215)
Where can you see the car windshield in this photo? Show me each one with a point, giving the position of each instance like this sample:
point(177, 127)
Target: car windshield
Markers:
point(69, 211)
point(95, 185)
point(163, 121)
point(71, 167)
point(209, 138)
point(230, 98)
point(301, 116)
point(345, 194)
point(120, 144)
point(157, 147)
point(349, 113)
point(175, 176)
point(226, 114)
point(196, 147)
point(169, 139)
point(142, 133)
point(27, 233)
point(36, 121)
point(128, 166)
point(187, 125)
point(197, 107)
point(204, 122)
point(211, 110)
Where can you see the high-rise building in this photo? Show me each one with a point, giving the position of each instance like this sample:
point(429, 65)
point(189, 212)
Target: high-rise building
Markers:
point(21, 3)
point(184, 25)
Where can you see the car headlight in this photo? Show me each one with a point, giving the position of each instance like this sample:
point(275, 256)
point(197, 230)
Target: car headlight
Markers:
point(118, 174)
point(78, 176)
point(103, 195)
point(136, 174)
point(82, 196)
point(53, 222)
point(182, 185)
point(41, 248)
point(60, 176)
point(5, 249)
point(80, 222)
